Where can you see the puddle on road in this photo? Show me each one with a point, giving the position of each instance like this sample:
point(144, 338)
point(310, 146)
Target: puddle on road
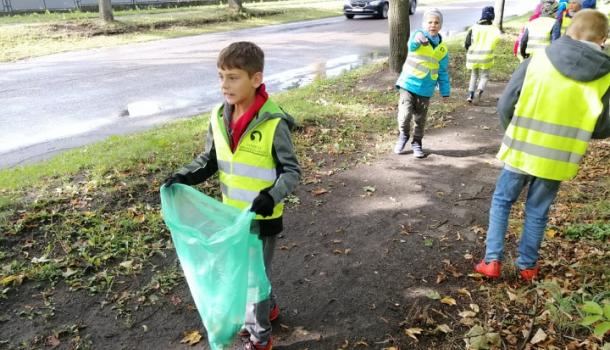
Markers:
point(286, 80)
point(294, 78)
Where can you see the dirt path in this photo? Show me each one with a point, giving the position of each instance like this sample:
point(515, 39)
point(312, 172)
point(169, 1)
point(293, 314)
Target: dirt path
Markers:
point(354, 268)
point(355, 264)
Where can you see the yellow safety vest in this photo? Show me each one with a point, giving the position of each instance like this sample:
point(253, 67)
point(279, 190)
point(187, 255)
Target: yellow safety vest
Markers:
point(539, 34)
point(251, 168)
point(425, 60)
point(484, 40)
point(551, 127)
point(565, 23)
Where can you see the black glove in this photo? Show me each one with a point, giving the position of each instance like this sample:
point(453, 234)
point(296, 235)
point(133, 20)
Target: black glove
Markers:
point(175, 179)
point(263, 204)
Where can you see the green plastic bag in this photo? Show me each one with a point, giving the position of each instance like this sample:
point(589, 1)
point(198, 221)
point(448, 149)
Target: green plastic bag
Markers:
point(222, 262)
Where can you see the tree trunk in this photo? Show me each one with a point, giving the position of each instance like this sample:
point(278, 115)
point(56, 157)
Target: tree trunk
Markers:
point(499, 7)
point(235, 5)
point(106, 10)
point(398, 20)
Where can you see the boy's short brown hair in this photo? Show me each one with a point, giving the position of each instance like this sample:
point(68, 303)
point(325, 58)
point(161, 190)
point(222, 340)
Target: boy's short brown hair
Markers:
point(588, 25)
point(242, 55)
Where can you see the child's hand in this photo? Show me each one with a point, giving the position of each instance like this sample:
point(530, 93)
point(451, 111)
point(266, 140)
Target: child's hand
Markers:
point(175, 179)
point(421, 38)
point(263, 204)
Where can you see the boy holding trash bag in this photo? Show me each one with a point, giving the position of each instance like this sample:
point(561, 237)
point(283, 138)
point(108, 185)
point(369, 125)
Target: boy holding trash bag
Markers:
point(248, 143)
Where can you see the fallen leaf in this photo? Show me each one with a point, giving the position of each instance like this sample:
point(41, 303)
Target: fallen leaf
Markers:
point(465, 292)
point(433, 295)
point(475, 308)
point(467, 313)
point(369, 189)
point(42, 259)
point(175, 300)
point(550, 233)
point(467, 321)
point(361, 343)
point(444, 328)
point(191, 337)
point(319, 191)
point(52, 341)
point(69, 272)
point(538, 337)
point(440, 277)
point(14, 279)
point(412, 332)
point(448, 300)
point(127, 264)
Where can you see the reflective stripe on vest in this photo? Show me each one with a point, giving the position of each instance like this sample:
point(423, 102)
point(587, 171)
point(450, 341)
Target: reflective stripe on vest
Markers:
point(553, 122)
point(539, 34)
point(425, 60)
point(480, 53)
point(251, 168)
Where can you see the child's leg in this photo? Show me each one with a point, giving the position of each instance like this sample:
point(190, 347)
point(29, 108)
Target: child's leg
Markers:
point(507, 191)
point(405, 112)
point(420, 112)
point(484, 78)
point(474, 76)
point(257, 315)
point(540, 196)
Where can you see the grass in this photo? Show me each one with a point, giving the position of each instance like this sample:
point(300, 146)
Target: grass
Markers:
point(23, 36)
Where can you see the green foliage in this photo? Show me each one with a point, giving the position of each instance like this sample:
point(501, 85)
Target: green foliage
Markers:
point(597, 316)
point(561, 306)
point(599, 231)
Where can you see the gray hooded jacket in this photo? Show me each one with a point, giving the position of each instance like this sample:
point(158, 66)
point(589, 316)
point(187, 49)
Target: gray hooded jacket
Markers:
point(575, 60)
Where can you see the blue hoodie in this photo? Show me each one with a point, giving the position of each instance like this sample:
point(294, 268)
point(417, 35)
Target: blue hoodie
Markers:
point(425, 87)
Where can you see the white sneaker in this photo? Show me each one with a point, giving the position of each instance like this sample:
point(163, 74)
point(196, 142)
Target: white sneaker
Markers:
point(417, 150)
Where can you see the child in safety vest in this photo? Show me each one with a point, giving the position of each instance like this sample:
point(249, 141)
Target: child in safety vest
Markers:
point(540, 32)
point(566, 11)
point(480, 43)
point(554, 103)
point(426, 68)
point(248, 143)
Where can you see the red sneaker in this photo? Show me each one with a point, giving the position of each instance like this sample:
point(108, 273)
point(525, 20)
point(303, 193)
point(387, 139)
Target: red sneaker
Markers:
point(250, 345)
point(273, 315)
point(491, 269)
point(530, 274)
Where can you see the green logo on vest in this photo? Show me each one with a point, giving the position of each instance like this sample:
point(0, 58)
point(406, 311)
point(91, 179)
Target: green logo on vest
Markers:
point(254, 134)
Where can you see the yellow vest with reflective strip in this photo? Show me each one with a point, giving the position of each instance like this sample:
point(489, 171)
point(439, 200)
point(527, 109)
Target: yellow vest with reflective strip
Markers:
point(484, 40)
point(251, 168)
point(539, 34)
point(425, 60)
point(553, 122)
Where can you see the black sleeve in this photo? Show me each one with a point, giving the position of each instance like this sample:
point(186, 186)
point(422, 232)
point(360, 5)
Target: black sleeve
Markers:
point(468, 40)
point(510, 96)
point(602, 128)
point(523, 43)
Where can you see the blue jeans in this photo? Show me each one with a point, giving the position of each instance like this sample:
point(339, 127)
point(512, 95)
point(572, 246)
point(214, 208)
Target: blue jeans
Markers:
point(540, 196)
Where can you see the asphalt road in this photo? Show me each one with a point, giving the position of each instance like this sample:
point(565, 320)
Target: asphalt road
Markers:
point(61, 101)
